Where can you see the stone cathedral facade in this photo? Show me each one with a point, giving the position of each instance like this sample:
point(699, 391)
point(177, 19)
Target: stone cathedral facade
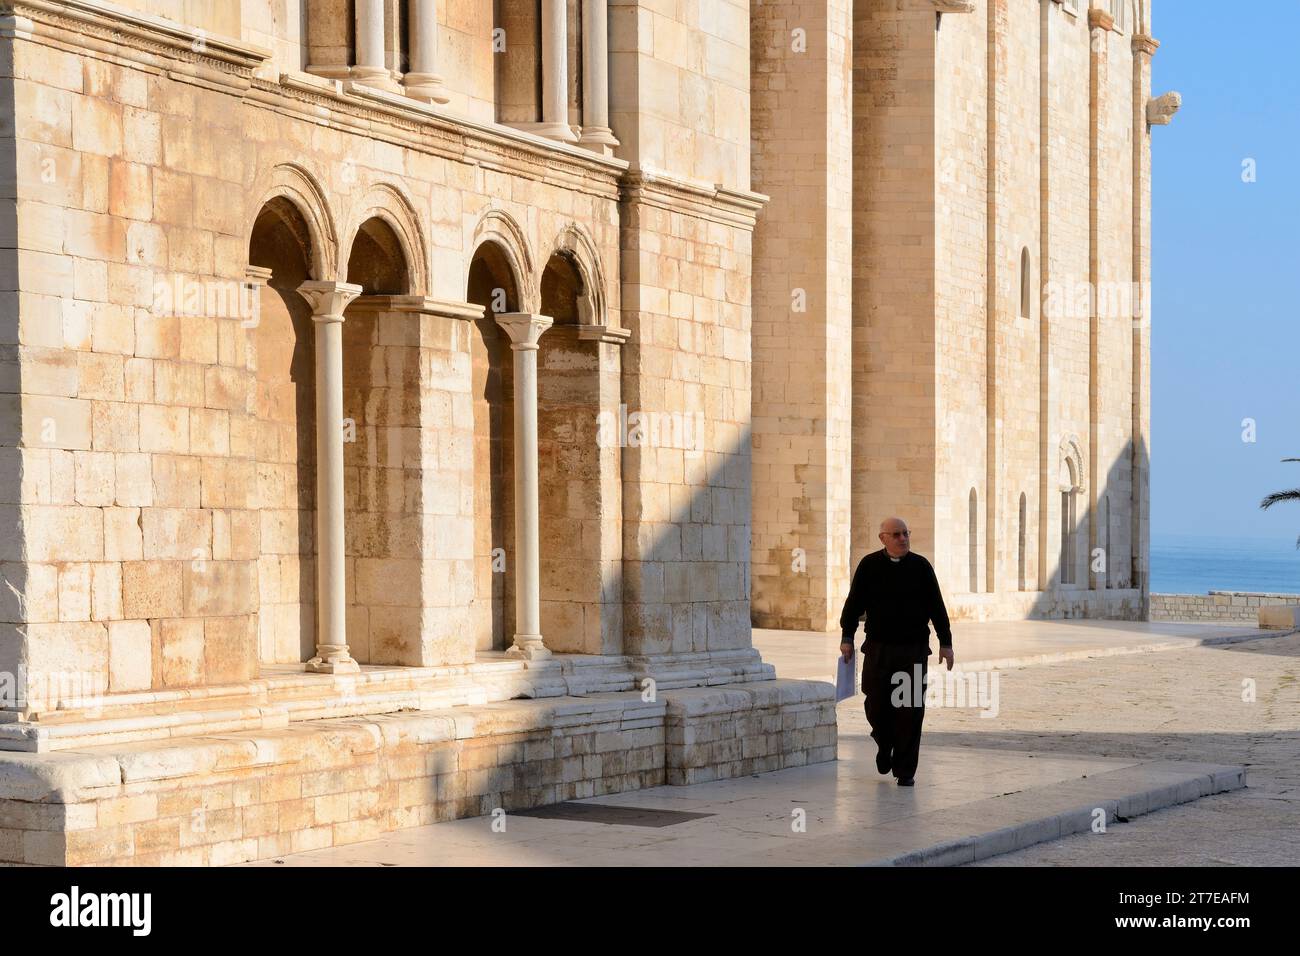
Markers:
point(951, 305)
point(408, 405)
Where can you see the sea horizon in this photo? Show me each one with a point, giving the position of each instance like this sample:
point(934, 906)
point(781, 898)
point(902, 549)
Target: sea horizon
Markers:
point(1198, 564)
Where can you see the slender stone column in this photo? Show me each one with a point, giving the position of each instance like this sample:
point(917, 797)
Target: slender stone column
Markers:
point(370, 42)
point(424, 82)
point(524, 330)
point(555, 72)
point(328, 300)
point(596, 134)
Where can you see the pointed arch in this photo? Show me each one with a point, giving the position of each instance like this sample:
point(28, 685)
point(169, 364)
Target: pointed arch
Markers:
point(295, 184)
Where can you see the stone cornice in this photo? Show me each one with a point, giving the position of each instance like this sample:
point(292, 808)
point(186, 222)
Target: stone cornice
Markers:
point(1099, 19)
point(130, 33)
point(194, 56)
point(733, 207)
point(419, 304)
point(954, 6)
point(1145, 44)
point(408, 122)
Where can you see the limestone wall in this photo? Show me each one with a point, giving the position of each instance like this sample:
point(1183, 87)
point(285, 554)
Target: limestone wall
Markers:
point(802, 81)
point(149, 494)
point(679, 88)
point(894, 235)
point(1242, 606)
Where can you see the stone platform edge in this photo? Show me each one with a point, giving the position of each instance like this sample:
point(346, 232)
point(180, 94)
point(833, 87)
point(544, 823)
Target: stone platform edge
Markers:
point(251, 795)
point(1074, 806)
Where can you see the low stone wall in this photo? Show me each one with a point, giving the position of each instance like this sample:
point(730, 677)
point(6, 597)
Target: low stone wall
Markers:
point(259, 794)
point(1236, 606)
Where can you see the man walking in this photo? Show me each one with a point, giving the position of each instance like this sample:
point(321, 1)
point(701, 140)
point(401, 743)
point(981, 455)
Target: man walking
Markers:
point(900, 595)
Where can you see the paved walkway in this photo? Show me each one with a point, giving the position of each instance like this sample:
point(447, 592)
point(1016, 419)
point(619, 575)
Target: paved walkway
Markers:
point(1148, 727)
point(810, 655)
point(970, 804)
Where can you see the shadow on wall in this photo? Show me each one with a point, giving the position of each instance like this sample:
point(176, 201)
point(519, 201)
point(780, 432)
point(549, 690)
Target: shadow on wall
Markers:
point(686, 537)
point(1093, 552)
point(285, 403)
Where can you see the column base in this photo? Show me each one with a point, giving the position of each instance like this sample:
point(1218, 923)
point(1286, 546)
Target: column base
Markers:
point(332, 659)
point(558, 131)
point(426, 86)
point(529, 647)
point(598, 139)
point(375, 76)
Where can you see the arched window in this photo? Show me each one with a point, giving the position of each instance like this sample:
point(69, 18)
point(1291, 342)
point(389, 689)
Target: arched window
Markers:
point(1069, 520)
point(1026, 301)
point(1020, 562)
point(973, 541)
point(1103, 541)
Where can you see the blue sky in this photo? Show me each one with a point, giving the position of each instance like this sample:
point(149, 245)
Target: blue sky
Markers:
point(1226, 269)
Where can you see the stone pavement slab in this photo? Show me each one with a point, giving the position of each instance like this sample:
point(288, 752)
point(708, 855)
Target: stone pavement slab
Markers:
point(968, 804)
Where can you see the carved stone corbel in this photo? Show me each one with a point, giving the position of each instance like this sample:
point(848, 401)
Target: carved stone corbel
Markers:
point(1099, 19)
point(1161, 109)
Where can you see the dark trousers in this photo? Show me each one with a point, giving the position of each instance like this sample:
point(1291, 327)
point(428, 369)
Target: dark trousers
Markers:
point(895, 710)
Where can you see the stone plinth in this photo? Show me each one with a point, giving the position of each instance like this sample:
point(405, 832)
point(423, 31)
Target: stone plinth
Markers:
point(249, 795)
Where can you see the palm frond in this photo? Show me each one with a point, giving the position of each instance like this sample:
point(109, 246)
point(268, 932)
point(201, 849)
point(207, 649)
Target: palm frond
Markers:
point(1277, 496)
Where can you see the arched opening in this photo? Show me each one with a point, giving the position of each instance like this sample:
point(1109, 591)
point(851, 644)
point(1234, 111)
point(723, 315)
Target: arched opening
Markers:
point(1026, 298)
point(284, 422)
point(1103, 541)
point(492, 284)
point(571, 463)
point(1020, 547)
point(377, 262)
point(381, 454)
point(972, 540)
point(1069, 521)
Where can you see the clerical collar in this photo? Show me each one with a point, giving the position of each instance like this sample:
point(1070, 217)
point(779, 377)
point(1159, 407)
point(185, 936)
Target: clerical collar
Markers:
point(894, 559)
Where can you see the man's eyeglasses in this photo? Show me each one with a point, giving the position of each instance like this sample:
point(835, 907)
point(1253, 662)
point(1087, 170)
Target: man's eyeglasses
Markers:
point(898, 534)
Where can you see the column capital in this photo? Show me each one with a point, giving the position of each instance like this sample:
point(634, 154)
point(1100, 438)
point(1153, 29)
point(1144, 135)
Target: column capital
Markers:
point(1145, 44)
point(328, 299)
point(524, 328)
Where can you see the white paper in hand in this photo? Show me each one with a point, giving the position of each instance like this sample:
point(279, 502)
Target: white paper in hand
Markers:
point(846, 676)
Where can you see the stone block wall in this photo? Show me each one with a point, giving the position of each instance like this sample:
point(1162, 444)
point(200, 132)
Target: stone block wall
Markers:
point(801, 66)
point(686, 493)
point(257, 795)
point(1235, 606)
point(156, 504)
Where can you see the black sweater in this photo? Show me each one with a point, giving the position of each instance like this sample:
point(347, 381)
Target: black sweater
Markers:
point(900, 598)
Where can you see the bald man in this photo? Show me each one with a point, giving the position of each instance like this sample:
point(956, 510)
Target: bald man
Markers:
point(899, 593)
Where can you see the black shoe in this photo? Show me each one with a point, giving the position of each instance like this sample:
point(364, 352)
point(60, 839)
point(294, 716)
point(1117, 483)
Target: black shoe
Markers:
point(906, 782)
point(884, 761)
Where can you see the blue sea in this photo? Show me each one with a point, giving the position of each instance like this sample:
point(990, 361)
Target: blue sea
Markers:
point(1184, 564)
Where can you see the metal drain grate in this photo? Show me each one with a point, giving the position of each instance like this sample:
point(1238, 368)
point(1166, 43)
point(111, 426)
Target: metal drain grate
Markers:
point(606, 813)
